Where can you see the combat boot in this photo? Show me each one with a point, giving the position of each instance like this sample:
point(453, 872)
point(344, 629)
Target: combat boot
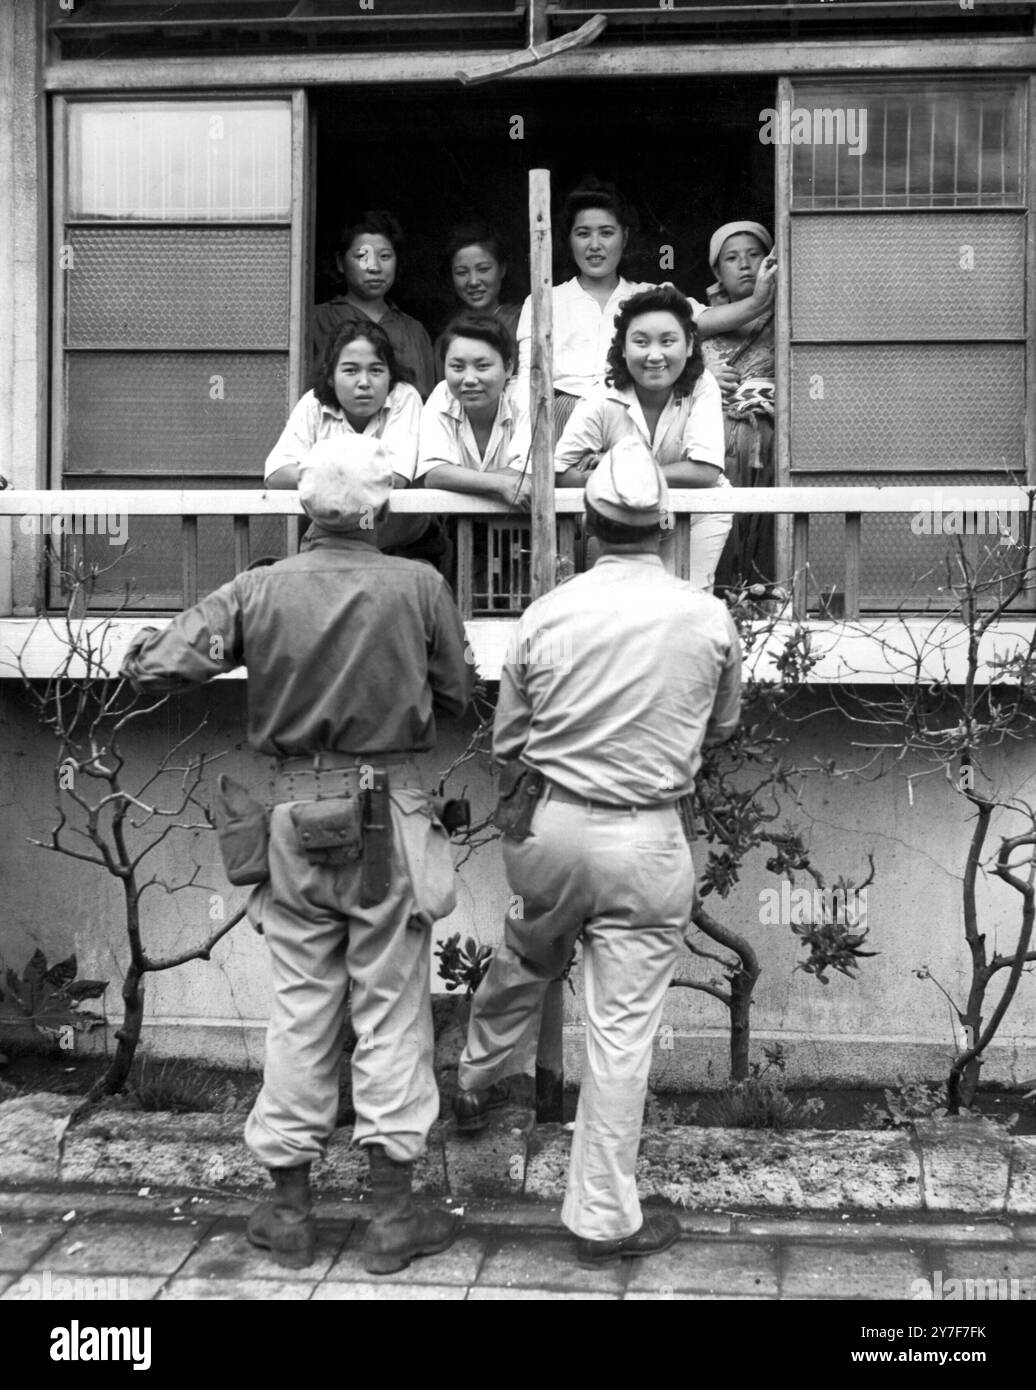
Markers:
point(399, 1231)
point(285, 1226)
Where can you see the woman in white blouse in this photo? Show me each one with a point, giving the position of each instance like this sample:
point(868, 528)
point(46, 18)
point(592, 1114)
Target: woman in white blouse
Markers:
point(657, 388)
point(474, 431)
point(357, 389)
point(597, 221)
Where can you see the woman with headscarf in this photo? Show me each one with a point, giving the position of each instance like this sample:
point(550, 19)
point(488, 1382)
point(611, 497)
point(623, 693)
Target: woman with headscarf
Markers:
point(597, 223)
point(742, 360)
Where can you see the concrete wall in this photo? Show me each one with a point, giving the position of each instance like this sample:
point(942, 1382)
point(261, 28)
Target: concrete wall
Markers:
point(864, 1031)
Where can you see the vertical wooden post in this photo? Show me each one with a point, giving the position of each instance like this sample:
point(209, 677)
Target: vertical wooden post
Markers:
point(783, 155)
point(541, 385)
point(550, 1074)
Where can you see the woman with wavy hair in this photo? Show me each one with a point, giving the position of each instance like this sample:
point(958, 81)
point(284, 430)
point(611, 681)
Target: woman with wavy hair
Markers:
point(657, 388)
point(597, 225)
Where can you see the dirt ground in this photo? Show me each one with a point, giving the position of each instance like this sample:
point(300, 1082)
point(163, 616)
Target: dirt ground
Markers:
point(192, 1086)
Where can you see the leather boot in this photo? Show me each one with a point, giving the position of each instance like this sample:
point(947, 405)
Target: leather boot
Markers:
point(285, 1226)
point(398, 1230)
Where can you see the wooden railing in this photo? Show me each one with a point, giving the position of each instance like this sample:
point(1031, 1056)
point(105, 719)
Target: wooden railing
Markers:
point(472, 515)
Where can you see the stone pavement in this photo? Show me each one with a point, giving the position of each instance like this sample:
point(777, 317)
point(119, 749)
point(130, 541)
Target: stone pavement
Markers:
point(176, 1244)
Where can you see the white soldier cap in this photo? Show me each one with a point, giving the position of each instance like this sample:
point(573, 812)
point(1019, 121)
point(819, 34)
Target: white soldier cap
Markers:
point(627, 485)
point(343, 482)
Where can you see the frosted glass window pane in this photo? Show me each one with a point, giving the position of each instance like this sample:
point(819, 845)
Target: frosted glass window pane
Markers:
point(181, 161)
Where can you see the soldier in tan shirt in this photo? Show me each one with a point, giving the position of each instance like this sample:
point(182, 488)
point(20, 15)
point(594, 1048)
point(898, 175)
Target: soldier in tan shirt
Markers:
point(614, 683)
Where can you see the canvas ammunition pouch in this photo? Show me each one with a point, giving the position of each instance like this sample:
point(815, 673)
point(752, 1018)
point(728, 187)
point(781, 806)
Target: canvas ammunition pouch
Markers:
point(520, 790)
point(331, 832)
point(243, 831)
point(342, 813)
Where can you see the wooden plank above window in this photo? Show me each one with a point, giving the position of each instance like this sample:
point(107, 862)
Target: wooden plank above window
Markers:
point(128, 28)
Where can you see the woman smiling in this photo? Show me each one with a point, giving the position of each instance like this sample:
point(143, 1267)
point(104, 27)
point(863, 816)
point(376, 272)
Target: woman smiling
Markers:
point(474, 432)
point(476, 267)
point(596, 223)
point(658, 389)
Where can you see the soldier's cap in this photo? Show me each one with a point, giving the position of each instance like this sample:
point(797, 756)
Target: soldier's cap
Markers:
point(627, 485)
point(344, 481)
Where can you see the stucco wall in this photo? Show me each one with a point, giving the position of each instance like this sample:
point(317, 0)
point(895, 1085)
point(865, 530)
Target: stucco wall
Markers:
point(868, 1030)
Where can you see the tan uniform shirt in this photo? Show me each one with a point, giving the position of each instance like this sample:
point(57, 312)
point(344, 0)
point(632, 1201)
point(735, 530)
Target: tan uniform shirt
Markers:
point(347, 650)
point(616, 679)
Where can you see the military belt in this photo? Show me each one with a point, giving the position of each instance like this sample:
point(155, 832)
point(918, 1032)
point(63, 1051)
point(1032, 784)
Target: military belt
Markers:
point(554, 791)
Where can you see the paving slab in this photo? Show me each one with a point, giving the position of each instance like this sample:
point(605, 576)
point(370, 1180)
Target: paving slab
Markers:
point(710, 1267)
point(354, 1292)
point(224, 1290)
point(530, 1215)
point(966, 1164)
point(226, 1253)
point(483, 1293)
point(22, 1241)
point(811, 1270)
point(1021, 1189)
point(794, 1228)
point(492, 1162)
point(670, 1295)
point(1000, 1274)
point(99, 1245)
point(459, 1264)
point(47, 1287)
point(31, 1130)
point(546, 1262)
point(1025, 1231)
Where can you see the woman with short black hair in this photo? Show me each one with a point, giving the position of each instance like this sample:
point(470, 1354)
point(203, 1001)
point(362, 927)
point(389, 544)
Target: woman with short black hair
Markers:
point(358, 389)
point(369, 254)
point(474, 432)
point(475, 266)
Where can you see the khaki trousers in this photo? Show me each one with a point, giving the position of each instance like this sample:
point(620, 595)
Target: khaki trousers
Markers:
point(319, 939)
point(623, 880)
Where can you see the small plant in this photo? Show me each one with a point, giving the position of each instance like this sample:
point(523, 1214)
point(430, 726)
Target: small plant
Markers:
point(463, 967)
point(760, 1101)
point(49, 999)
point(660, 1116)
point(184, 1086)
point(910, 1101)
point(835, 941)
